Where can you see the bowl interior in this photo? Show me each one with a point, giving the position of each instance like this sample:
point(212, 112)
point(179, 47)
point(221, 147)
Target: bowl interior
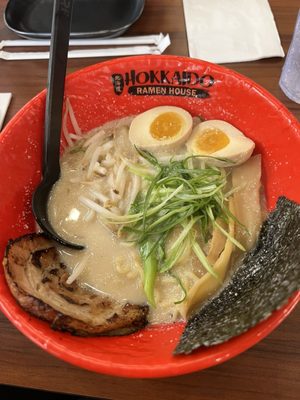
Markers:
point(115, 89)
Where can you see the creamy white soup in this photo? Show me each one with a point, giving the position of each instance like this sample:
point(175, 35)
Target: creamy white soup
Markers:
point(110, 190)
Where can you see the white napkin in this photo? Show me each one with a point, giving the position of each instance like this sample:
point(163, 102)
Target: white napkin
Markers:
point(223, 31)
point(4, 103)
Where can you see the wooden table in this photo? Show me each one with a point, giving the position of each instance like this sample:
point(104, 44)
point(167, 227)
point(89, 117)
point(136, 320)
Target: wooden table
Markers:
point(270, 370)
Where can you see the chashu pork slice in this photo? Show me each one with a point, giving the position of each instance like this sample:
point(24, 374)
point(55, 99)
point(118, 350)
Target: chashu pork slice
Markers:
point(37, 279)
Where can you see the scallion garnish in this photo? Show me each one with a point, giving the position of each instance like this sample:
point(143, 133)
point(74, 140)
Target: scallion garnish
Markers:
point(178, 196)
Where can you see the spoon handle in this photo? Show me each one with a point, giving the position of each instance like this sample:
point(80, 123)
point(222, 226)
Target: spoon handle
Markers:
point(61, 25)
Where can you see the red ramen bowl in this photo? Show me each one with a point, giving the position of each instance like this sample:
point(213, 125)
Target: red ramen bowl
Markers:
point(115, 89)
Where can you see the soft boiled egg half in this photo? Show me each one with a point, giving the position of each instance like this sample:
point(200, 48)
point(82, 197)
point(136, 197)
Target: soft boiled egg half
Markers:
point(220, 139)
point(161, 128)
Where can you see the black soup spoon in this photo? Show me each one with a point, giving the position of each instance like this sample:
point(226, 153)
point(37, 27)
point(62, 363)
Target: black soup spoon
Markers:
point(61, 24)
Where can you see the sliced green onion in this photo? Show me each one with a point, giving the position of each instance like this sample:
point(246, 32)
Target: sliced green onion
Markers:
point(178, 280)
point(177, 196)
point(231, 238)
point(150, 270)
point(202, 258)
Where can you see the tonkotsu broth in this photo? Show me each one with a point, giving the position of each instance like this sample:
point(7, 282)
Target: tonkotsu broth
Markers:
point(104, 253)
point(110, 267)
point(100, 179)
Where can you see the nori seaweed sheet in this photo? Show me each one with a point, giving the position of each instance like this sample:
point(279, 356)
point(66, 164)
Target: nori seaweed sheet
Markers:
point(267, 276)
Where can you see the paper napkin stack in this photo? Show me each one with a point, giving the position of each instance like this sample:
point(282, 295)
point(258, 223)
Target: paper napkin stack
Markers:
point(224, 31)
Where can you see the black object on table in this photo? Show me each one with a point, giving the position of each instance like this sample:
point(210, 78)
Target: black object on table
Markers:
point(91, 18)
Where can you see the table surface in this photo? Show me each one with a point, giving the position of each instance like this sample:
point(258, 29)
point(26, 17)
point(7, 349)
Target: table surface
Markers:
point(268, 370)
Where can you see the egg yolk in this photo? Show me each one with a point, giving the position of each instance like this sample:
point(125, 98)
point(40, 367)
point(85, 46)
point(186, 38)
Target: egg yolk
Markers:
point(211, 141)
point(166, 126)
